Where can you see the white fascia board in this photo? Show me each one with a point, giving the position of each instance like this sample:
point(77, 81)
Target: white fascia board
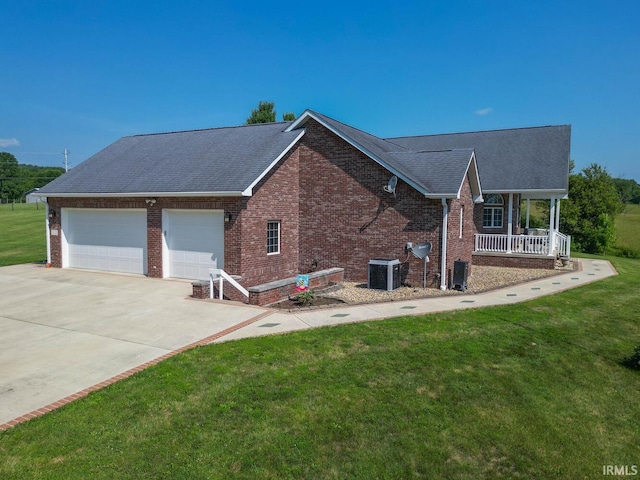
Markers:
point(475, 177)
point(248, 192)
point(301, 120)
point(438, 196)
point(308, 114)
point(474, 180)
point(535, 194)
point(145, 194)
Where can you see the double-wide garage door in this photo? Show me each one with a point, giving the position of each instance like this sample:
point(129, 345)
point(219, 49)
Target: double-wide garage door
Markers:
point(113, 240)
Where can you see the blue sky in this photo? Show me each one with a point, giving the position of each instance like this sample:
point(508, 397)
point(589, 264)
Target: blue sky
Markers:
point(81, 74)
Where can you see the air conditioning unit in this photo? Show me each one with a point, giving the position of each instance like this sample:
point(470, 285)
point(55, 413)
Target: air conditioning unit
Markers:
point(384, 274)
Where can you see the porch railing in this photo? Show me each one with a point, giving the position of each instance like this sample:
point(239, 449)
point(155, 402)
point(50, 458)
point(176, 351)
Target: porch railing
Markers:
point(524, 244)
point(563, 244)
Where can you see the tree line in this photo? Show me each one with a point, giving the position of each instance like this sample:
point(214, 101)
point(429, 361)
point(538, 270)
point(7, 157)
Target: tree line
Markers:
point(17, 179)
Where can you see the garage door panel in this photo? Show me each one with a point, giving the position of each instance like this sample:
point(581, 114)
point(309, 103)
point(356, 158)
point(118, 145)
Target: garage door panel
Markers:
point(111, 240)
point(195, 243)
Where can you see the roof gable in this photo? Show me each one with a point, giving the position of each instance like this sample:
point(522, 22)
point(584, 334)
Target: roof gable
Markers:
point(435, 174)
point(440, 173)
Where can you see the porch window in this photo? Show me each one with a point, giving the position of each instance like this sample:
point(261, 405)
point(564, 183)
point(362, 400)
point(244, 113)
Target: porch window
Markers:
point(493, 212)
point(273, 237)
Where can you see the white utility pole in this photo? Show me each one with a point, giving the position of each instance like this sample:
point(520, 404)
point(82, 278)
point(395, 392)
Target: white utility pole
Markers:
point(66, 159)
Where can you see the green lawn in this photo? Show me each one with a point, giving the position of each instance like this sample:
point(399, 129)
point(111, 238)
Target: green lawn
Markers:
point(527, 391)
point(22, 234)
point(628, 228)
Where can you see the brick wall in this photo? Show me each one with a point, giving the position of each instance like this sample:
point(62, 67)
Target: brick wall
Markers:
point(55, 237)
point(461, 247)
point(274, 198)
point(346, 218)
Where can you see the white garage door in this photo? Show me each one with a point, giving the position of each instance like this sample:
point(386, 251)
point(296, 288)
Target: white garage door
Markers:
point(105, 239)
point(194, 242)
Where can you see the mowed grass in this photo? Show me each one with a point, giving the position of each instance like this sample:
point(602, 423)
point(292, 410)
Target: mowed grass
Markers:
point(22, 234)
point(534, 390)
point(628, 228)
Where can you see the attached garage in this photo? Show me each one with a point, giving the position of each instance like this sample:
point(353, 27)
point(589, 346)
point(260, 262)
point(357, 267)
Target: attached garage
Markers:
point(113, 240)
point(193, 242)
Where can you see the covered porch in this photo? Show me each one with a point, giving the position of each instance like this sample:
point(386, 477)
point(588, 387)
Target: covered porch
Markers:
point(549, 242)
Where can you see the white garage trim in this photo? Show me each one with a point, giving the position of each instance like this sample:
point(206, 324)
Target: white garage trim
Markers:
point(192, 242)
point(107, 239)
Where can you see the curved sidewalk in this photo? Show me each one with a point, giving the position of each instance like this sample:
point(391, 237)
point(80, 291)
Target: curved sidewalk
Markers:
point(590, 270)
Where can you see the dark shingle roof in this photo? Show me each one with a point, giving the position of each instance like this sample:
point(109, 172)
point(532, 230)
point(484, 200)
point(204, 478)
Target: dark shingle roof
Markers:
point(231, 160)
point(439, 173)
point(509, 160)
point(214, 160)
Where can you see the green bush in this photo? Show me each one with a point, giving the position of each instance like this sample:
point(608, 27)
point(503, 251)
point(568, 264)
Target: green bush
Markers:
point(306, 298)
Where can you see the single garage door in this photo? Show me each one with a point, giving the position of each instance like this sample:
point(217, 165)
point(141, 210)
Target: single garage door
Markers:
point(194, 242)
point(113, 240)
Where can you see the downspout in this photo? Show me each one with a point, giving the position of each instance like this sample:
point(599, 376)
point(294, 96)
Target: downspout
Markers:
point(47, 230)
point(443, 262)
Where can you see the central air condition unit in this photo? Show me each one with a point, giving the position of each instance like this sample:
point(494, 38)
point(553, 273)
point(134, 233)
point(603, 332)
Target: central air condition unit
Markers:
point(384, 274)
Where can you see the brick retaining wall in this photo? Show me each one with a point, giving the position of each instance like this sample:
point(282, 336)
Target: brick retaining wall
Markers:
point(498, 260)
point(271, 292)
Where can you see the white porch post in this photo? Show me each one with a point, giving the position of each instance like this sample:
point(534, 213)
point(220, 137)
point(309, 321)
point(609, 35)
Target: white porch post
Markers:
point(558, 216)
point(552, 222)
point(528, 212)
point(510, 224)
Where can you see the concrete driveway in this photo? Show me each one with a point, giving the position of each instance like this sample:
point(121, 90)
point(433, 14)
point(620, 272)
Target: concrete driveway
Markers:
point(66, 331)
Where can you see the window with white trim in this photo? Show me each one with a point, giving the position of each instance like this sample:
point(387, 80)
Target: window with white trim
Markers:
point(461, 220)
point(273, 237)
point(493, 212)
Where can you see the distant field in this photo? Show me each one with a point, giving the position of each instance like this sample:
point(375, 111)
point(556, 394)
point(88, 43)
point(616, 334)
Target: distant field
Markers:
point(22, 234)
point(628, 228)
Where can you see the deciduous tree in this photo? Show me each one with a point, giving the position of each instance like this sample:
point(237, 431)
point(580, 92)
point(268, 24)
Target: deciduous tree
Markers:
point(589, 213)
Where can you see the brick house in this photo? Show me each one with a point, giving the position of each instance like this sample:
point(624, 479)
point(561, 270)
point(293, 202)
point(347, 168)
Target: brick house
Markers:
point(266, 202)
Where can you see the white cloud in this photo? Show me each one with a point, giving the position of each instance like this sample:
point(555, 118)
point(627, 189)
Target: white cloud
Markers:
point(9, 142)
point(484, 111)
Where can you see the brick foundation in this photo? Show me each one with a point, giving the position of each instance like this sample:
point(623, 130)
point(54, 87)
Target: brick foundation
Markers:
point(511, 261)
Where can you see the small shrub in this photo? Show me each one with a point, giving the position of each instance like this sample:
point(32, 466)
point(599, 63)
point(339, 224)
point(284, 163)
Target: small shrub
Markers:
point(633, 362)
point(306, 298)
